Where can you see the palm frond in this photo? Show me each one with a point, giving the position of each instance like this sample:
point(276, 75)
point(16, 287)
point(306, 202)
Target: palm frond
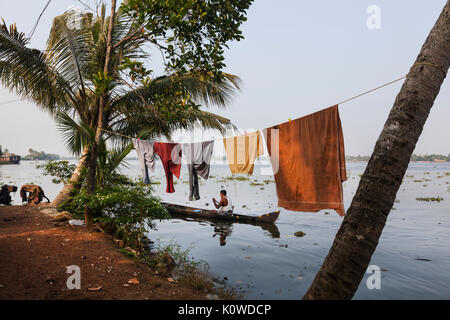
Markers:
point(116, 156)
point(75, 135)
point(71, 49)
point(26, 72)
point(204, 90)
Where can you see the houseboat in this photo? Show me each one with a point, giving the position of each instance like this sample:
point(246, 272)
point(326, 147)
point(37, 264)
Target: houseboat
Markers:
point(9, 158)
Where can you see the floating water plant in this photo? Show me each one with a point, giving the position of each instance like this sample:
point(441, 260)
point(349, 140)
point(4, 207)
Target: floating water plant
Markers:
point(430, 199)
point(299, 234)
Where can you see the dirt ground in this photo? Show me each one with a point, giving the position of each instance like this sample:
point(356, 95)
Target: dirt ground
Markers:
point(35, 251)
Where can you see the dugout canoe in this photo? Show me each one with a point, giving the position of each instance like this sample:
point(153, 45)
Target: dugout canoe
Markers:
point(270, 217)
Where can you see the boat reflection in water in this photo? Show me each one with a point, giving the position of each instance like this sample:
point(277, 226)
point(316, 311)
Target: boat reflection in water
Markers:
point(223, 228)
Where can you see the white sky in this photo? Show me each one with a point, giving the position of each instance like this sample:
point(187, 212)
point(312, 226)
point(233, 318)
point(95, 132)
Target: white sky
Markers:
point(297, 58)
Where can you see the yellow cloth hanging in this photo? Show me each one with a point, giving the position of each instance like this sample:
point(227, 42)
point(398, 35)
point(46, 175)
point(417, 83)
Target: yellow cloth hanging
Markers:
point(242, 152)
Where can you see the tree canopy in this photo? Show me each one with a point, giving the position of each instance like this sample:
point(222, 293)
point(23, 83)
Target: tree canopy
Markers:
point(191, 34)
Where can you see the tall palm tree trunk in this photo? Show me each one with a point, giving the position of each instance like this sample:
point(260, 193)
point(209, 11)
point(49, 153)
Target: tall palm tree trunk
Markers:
point(92, 165)
point(65, 193)
point(358, 236)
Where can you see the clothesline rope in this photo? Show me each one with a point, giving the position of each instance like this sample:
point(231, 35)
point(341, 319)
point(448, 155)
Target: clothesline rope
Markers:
point(340, 103)
point(372, 90)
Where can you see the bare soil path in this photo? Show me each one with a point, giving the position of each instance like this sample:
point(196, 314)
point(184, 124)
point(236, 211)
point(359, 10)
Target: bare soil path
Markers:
point(35, 251)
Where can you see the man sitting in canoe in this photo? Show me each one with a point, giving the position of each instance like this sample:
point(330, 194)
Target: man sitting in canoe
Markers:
point(223, 206)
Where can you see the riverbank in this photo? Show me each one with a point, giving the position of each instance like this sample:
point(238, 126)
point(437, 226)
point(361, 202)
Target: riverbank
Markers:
point(35, 252)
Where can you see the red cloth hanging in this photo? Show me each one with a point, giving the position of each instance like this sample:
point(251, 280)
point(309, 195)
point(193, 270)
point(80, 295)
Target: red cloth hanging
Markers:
point(170, 155)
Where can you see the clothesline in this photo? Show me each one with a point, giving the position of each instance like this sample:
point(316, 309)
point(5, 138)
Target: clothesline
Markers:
point(372, 90)
point(340, 103)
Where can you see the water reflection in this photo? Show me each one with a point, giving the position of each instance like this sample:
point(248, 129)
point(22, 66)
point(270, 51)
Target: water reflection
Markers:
point(223, 229)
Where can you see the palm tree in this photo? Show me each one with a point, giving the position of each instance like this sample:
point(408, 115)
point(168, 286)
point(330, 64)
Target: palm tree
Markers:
point(65, 79)
point(358, 236)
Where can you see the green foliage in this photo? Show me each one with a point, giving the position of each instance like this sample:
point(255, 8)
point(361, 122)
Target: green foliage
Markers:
point(178, 256)
point(172, 260)
point(136, 71)
point(192, 34)
point(65, 80)
point(61, 170)
point(125, 210)
point(102, 82)
point(299, 234)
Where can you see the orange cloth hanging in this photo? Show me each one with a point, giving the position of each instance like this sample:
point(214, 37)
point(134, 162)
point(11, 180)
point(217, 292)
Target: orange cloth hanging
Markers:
point(242, 152)
point(308, 160)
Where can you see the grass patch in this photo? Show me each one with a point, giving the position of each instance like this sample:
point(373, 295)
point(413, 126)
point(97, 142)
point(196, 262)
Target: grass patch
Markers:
point(128, 253)
point(172, 260)
point(256, 184)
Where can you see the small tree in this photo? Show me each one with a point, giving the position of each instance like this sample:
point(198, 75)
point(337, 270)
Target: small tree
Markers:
point(68, 80)
point(194, 33)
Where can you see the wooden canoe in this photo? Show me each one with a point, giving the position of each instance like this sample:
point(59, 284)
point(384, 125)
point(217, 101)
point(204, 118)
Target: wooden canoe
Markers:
point(212, 214)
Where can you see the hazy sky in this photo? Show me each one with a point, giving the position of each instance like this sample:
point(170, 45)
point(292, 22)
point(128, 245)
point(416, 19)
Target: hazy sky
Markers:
point(297, 58)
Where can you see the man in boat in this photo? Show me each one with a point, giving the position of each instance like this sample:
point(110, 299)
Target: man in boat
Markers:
point(223, 206)
point(32, 194)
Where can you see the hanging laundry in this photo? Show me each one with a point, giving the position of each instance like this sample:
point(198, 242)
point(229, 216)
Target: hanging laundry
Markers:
point(170, 155)
point(144, 150)
point(242, 152)
point(198, 158)
point(308, 159)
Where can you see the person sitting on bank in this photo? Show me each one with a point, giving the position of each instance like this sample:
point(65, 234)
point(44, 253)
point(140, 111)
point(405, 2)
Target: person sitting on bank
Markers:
point(223, 206)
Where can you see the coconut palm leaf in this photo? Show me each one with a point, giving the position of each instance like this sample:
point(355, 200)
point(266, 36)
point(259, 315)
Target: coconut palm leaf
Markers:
point(76, 135)
point(27, 73)
point(70, 48)
point(204, 90)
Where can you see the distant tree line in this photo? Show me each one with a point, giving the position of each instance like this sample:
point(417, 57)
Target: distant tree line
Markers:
point(414, 157)
point(40, 155)
point(430, 157)
point(5, 151)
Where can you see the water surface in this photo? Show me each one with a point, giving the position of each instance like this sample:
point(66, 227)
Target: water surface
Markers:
point(274, 264)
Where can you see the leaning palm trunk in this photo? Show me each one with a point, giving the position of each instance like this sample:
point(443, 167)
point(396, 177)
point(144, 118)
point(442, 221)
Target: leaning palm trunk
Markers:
point(92, 163)
point(65, 193)
point(358, 236)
